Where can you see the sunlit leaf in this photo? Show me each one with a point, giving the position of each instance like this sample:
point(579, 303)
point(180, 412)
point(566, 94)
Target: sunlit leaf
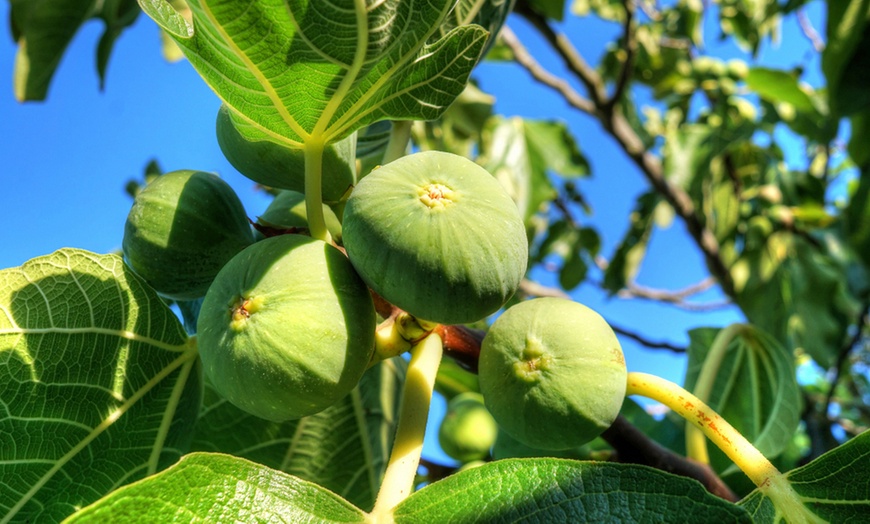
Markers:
point(344, 448)
point(99, 384)
point(625, 263)
point(753, 388)
point(316, 71)
point(559, 490)
point(206, 487)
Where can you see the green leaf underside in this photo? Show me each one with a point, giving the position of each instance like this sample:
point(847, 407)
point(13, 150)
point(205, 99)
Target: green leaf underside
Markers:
point(304, 71)
point(835, 486)
point(755, 388)
point(344, 448)
point(557, 490)
point(99, 383)
point(209, 487)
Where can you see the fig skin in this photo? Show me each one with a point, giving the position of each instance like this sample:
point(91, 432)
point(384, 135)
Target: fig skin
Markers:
point(287, 328)
point(468, 431)
point(274, 165)
point(287, 211)
point(552, 373)
point(436, 235)
point(183, 227)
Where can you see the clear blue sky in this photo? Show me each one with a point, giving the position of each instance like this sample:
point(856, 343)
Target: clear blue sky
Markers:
point(65, 161)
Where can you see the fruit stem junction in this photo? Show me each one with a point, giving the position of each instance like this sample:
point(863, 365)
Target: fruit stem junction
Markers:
point(763, 474)
point(405, 458)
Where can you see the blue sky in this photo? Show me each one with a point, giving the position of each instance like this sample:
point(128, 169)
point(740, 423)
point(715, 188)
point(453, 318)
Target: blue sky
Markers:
point(66, 161)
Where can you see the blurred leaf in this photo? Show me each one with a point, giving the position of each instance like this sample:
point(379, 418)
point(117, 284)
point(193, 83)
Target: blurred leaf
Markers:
point(754, 388)
point(860, 137)
point(460, 128)
point(44, 29)
point(795, 292)
point(206, 487)
point(573, 270)
point(835, 487)
point(520, 153)
point(559, 490)
point(310, 80)
point(553, 9)
point(856, 218)
point(749, 21)
point(846, 57)
point(689, 150)
point(796, 104)
point(612, 10)
point(344, 448)
point(99, 384)
point(625, 263)
point(453, 380)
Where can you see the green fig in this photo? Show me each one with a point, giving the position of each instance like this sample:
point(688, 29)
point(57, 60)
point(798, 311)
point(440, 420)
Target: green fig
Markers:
point(183, 227)
point(552, 373)
point(467, 431)
point(271, 164)
point(436, 235)
point(288, 211)
point(287, 328)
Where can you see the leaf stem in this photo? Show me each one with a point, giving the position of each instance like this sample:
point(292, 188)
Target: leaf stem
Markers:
point(313, 150)
point(763, 474)
point(405, 457)
point(696, 444)
point(400, 134)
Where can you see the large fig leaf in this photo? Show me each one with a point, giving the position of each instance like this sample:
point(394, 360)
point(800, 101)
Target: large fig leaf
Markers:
point(344, 448)
point(560, 490)
point(206, 487)
point(44, 28)
point(98, 384)
point(754, 387)
point(835, 487)
point(303, 71)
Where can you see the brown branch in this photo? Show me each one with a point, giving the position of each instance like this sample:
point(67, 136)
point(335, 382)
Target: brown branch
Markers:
point(620, 128)
point(630, 48)
point(634, 447)
point(525, 59)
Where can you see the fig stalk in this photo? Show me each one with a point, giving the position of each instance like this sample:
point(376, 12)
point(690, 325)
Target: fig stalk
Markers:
point(696, 444)
point(313, 198)
point(752, 462)
point(400, 134)
point(405, 458)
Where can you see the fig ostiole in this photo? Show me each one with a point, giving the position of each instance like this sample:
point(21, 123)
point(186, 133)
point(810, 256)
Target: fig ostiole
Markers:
point(271, 164)
point(436, 235)
point(287, 328)
point(183, 227)
point(467, 431)
point(552, 373)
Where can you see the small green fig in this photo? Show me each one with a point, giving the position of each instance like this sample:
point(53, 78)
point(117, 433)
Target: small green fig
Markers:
point(272, 164)
point(183, 227)
point(467, 431)
point(287, 211)
point(552, 373)
point(436, 235)
point(287, 328)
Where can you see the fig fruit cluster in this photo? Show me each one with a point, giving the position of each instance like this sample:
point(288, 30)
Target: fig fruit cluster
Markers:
point(552, 373)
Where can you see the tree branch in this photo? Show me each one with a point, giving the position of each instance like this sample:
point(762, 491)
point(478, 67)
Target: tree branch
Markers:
point(629, 46)
point(619, 127)
point(809, 31)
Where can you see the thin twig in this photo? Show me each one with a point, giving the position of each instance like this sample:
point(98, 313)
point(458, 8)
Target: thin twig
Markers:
point(809, 31)
point(619, 127)
point(525, 59)
point(844, 354)
point(629, 46)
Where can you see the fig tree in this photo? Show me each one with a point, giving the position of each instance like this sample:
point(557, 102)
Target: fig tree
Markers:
point(436, 235)
point(287, 328)
point(183, 227)
point(467, 431)
point(552, 373)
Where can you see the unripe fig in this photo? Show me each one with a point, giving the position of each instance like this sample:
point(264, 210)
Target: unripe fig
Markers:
point(552, 373)
point(274, 165)
point(288, 211)
point(468, 431)
point(183, 227)
point(436, 235)
point(287, 328)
